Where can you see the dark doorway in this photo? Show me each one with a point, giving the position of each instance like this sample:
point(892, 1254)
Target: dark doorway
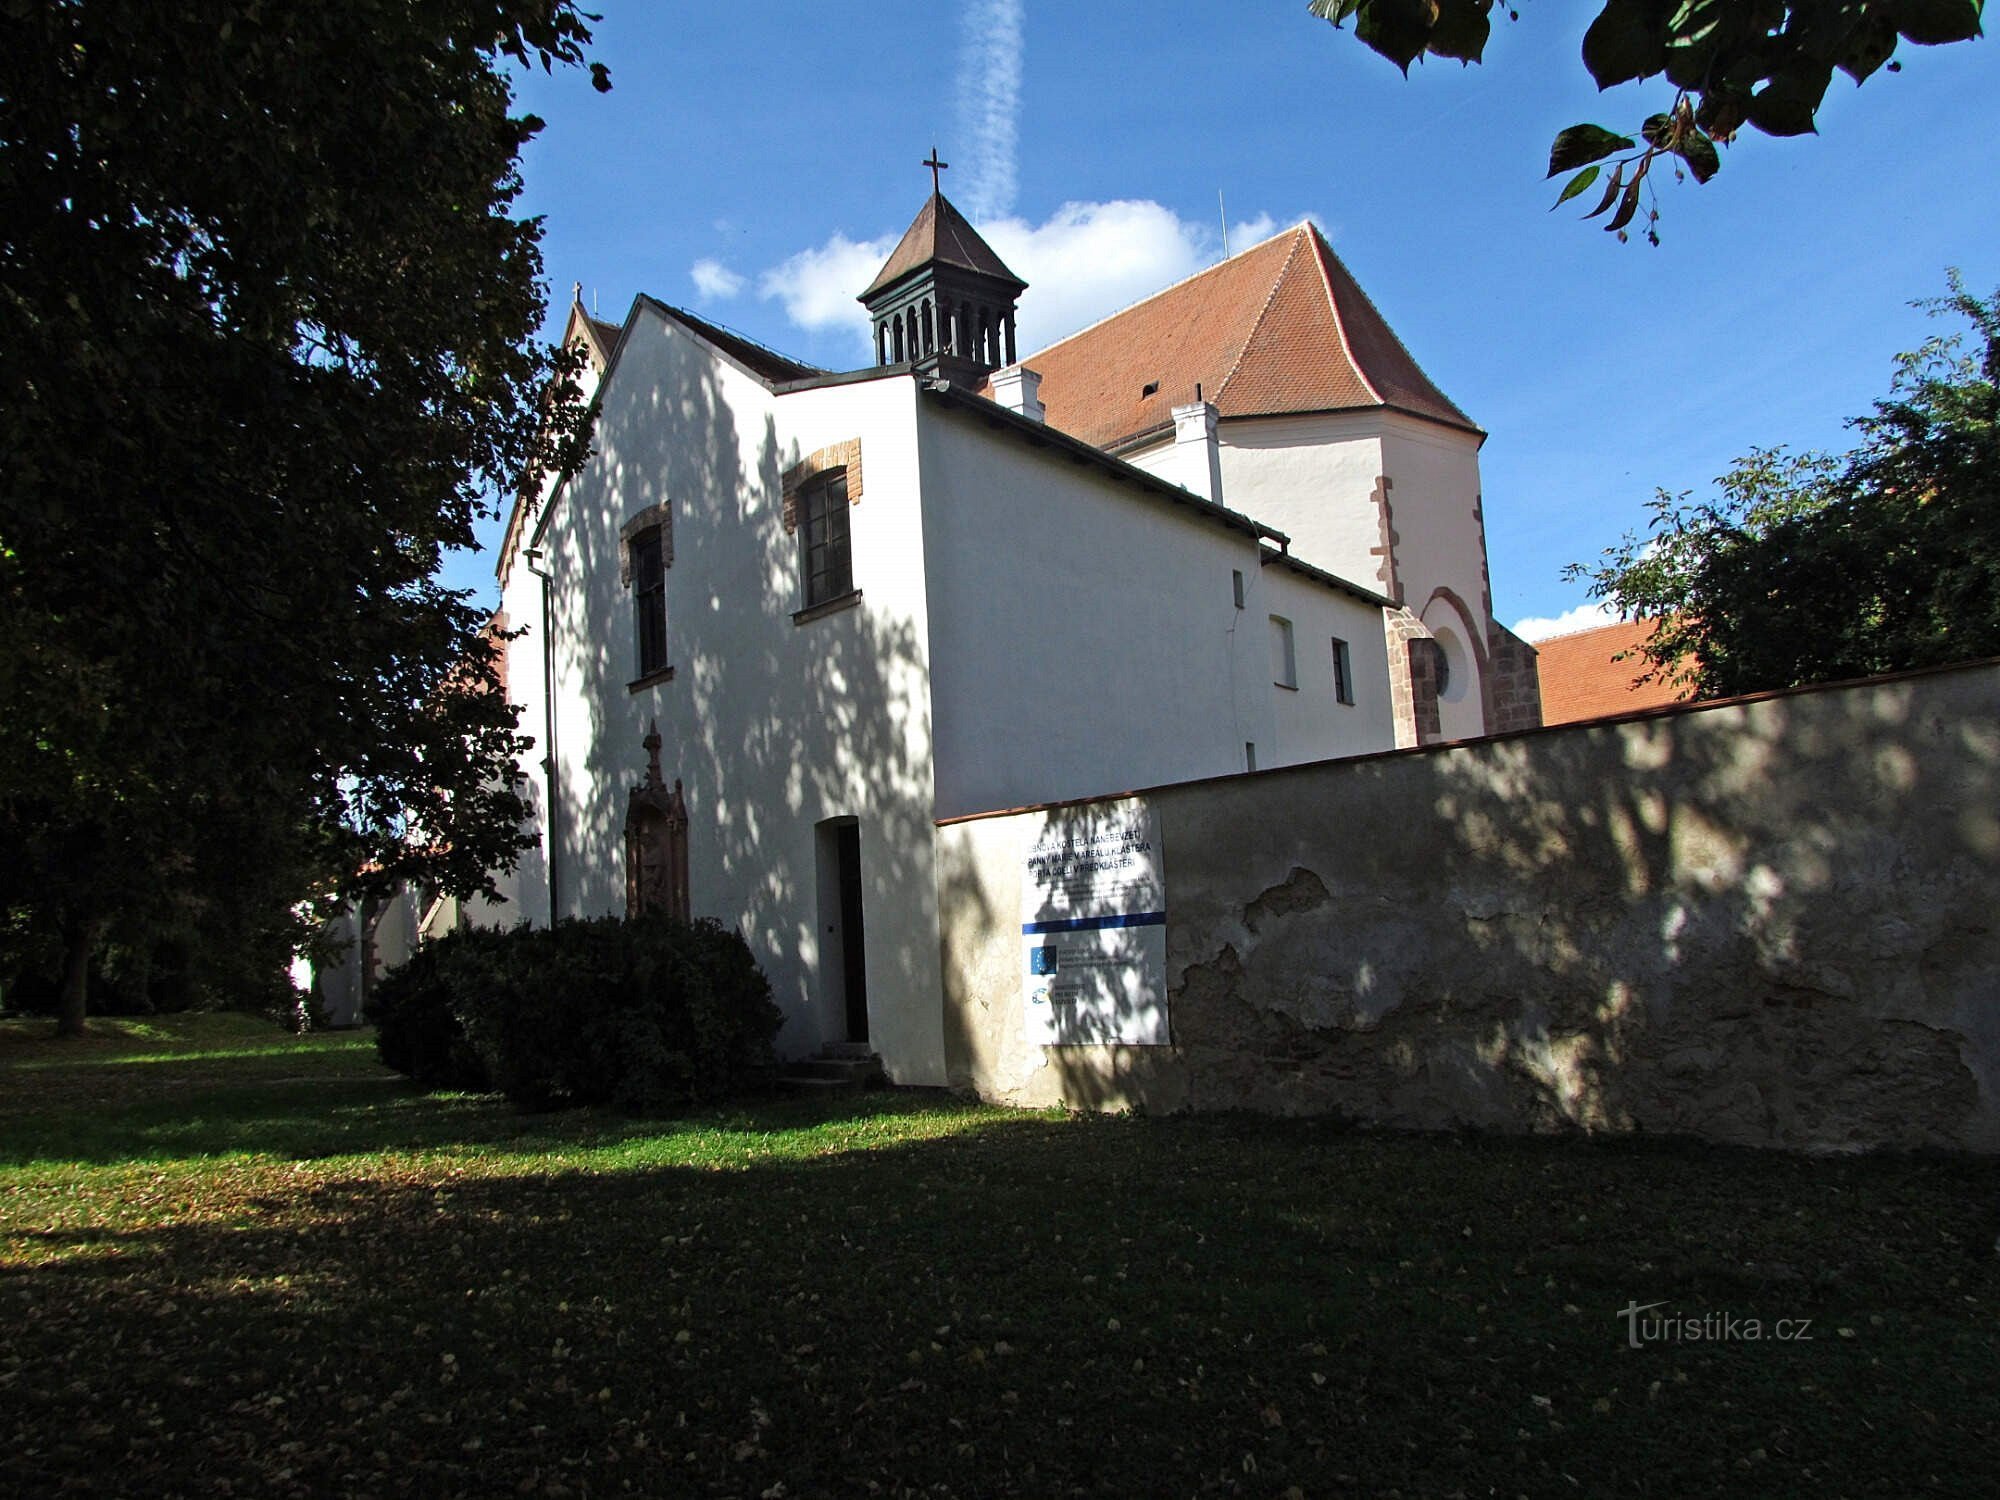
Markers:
point(853, 952)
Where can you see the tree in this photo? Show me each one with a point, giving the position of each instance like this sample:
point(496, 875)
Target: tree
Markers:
point(1730, 63)
point(1809, 568)
point(266, 351)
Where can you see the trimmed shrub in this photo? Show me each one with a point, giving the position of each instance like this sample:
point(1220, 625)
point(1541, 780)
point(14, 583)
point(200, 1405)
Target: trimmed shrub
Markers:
point(417, 1030)
point(646, 1014)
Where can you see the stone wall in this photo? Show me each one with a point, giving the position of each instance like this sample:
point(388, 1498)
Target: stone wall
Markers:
point(1513, 686)
point(1771, 922)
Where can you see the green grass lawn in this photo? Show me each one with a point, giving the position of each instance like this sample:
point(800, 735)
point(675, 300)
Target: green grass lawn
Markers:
point(238, 1263)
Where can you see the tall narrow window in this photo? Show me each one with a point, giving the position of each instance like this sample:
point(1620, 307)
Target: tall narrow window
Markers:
point(1249, 755)
point(649, 601)
point(1343, 672)
point(824, 561)
point(1236, 586)
point(1284, 654)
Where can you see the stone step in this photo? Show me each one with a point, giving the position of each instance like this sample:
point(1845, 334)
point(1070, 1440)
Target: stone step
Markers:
point(861, 1070)
point(847, 1049)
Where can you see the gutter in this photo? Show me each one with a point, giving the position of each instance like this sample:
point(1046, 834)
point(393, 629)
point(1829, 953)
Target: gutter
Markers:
point(533, 557)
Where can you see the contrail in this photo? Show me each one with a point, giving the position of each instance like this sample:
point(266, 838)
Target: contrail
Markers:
point(989, 105)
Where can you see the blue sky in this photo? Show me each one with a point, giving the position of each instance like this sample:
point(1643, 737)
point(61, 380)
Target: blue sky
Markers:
point(751, 162)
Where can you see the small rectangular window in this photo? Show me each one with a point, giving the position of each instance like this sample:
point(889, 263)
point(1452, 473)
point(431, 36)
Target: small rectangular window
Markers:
point(1284, 654)
point(1343, 672)
point(824, 558)
point(1236, 586)
point(1249, 755)
point(649, 601)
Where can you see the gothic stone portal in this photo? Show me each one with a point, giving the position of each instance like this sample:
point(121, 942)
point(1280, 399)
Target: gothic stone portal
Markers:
point(656, 850)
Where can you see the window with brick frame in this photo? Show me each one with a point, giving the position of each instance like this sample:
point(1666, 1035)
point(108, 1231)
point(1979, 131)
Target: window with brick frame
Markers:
point(826, 564)
point(819, 491)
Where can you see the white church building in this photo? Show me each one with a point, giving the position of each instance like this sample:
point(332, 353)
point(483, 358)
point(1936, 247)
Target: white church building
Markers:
point(1230, 528)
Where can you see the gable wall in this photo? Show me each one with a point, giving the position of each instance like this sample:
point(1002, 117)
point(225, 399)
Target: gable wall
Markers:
point(772, 726)
point(524, 890)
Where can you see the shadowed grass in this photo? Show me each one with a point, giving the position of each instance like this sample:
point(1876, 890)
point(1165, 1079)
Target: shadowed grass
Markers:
point(285, 1271)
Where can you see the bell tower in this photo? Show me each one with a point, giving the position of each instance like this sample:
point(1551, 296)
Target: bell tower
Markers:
point(944, 301)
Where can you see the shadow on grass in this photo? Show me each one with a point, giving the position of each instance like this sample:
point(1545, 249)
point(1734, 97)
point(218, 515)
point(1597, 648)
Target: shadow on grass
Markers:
point(1023, 1306)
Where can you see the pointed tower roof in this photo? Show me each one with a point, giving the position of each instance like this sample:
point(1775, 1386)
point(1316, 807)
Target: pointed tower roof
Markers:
point(1282, 327)
point(940, 234)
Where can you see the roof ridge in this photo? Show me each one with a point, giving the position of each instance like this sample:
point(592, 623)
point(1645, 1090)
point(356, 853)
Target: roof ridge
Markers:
point(704, 328)
point(1340, 323)
point(1415, 364)
point(1174, 287)
point(1565, 635)
point(1256, 323)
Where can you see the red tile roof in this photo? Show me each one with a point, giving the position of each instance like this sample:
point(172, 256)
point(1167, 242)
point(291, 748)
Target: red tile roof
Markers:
point(1580, 679)
point(1282, 327)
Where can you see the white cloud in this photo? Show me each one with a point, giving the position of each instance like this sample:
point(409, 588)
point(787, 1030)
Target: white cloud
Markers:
point(990, 58)
point(1583, 617)
point(713, 279)
point(818, 287)
point(1090, 259)
point(1247, 232)
point(1086, 262)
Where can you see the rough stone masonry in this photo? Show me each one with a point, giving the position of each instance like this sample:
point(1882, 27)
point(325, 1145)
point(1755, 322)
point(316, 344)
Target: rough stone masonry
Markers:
point(1768, 922)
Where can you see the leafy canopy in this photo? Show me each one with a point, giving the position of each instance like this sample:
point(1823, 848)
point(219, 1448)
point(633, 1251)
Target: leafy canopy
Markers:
point(1809, 568)
point(266, 353)
point(1730, 63)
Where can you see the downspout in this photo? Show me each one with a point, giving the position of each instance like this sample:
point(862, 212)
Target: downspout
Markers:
point(533, 556)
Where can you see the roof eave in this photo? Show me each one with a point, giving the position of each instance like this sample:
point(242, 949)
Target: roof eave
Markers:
point(1042, 434)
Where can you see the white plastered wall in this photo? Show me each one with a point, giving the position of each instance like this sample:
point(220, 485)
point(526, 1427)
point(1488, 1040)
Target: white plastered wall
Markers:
point(1085, 637)
point(524, 890)
point(1315, 478)
point(772, 726)
point(1441, 554)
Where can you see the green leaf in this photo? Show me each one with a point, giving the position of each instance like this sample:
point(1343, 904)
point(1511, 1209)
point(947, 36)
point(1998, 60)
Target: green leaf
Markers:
point(1722, 113)
point(1462, 29)
point(1398, 29)
point(1582, 144)
point(1931, 23)
point(1699, 152)
point(1576, 185)
point(1625, 42)
point(1696, 33)
point(1787, 104)
point(1869, 45)
point(1334, 11)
